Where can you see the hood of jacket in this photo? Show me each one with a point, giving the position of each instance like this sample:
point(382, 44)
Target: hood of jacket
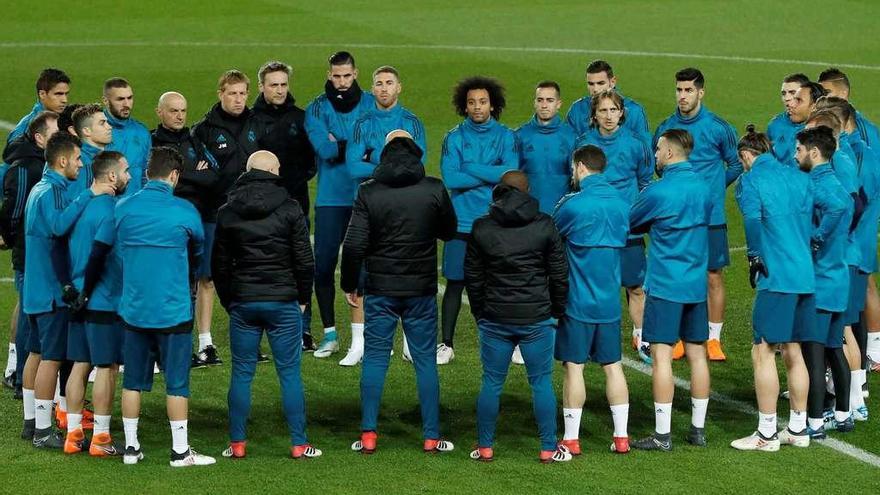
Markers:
point(400, 163)
point(256, 194)
point(510, 207)
point(218, 117)
point(262, 106)
point(22, 147)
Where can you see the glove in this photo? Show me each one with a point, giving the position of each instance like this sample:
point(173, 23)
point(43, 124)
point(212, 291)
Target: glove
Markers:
point(756, 266)
point(69, 294)
point(341, 145)
point(815, 245)
point(79, 304)
point(368, 154)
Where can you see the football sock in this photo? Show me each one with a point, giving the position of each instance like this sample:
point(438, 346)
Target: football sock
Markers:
point(130, 427)
point(840, 416)
point(767, 424)
point(637, 334)
point(715, 330)
point(357, 336)
point(572, 419)
point(450, 307)
point(662, 418)
point(815, 423)
point(205, 340)
point(814, 358)
point(797, 421)
point(698, 412)
point(620, 418)
point(43, 414)
point(74, 421)
point(62, 403)
point(27, 396)
point(179, 442)
point(330, 334)
point(102, 424)
point(11, 360)
point(860, 332)
point(856, 399)
point(873, 347)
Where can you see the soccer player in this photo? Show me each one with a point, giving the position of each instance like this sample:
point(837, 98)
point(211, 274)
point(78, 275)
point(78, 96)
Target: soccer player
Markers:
point(776, 204)
point(53, 88)
point(159, 237)
point(230, 135)
point(630, 169)
point(715, 160)
point(95, 337)
point(832, 214)
point(517, 279)
point(804, 102)
point(49, 215)
point(330, 122)
point(26, 168)
point(476, 153)
point(398, 217)
point(781, 129)
point(263, 271)
point(676, 212)
point(285, 136)
point(130, 137)
point(593, 223)
point(600, 77)
point(95, 133)
point(545, 145)
point(837, 84)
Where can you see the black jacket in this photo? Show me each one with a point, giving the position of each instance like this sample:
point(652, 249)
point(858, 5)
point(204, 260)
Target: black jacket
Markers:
point(515, 268)
point(397, 218)
point(261, 249)
point(285, 135)
point(230, 141)
point(26, 161)
point(195, 186)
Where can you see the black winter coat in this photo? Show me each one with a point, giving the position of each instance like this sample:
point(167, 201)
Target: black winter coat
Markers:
point(261, 249)
point(515, 269)
point(26, 161)
point(195, 186)
point(397, 218)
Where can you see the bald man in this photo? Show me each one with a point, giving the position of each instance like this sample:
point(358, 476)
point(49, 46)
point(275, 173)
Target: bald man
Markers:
point(263, 272)
point(196, 185)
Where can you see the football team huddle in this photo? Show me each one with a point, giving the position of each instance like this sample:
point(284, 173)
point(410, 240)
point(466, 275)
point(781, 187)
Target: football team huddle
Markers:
point(122, 237)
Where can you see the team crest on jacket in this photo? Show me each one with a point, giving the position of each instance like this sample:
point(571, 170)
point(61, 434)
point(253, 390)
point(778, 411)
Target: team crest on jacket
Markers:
point(252, 136)
point(293, 130)
point(221, 142)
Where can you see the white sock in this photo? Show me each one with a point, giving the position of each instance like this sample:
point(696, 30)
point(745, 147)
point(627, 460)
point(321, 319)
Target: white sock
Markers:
point(57, 395)
point(62, 403)
point(874, 346)
point(74, 421)
point(43, 414)
point(698, 412)
point(572, 418)
point(130, 427)
point(816, 423)
point(357, 337)
point(767, 424)
point(179, 441)
point(863, 377)
point(11, 360)
point(102, 424)
point(715, 330)
point(797, 421)
point(840, 416)
point(663, 418)
point(205, 340)
point(856, 399)
point(27, 396)
point(620, 417)
point(637, 334)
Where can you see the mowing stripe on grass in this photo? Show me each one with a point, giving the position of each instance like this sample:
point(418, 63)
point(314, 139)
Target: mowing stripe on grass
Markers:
point(380, 46)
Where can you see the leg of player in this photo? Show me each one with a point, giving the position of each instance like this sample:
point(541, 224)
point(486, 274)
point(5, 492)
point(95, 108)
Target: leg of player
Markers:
point(814, 359)
point(871, 321)
point(537, 351)
point(76, 390)
point(356, 351)
point(246, 322)
point(798, 387)
point(700, 387)
point(102, 398)
point(853, 356)
point(207, 353)
point(617, 393)
point(175, 350)
point(842, 419)
point(382, 315)
point(52, 329)
point(495, 351)
point(330, 225)
point(635, 298)
point(29, 375)
point(11, 356)
point(574, 395)
point(450, 309)
point(131, 411)
point(716, 301)
point(765, 439)
point(663, 389)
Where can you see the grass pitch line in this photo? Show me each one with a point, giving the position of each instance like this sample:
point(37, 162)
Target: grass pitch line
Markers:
point(6, 126)
point(411, 46)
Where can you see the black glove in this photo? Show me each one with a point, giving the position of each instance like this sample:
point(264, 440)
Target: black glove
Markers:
point(815, 246)
point(69, 294)
point(79, 305)
point(368, 154)
point(756, 266)
point(340, 153)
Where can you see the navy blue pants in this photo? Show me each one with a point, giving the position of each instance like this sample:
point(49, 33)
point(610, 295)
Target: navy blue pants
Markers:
point(419, 317)
point(282, 323)
point(331, 222)
point(23, 339)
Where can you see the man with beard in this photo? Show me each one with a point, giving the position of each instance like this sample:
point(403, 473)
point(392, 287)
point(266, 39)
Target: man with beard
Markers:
point(130, 137)
point(95, 133)
point(781, 129)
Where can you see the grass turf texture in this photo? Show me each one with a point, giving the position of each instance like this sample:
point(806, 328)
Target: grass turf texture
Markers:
point(161, 46)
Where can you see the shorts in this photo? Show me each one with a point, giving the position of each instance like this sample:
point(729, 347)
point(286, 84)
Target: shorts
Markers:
point(175, 352)
point(453, 257)
point(51, 329)
point(830, 327)
point(719, 253)
point(633, 264)
point(779, 318)
point(105, 336)
point(667, 322)
point(858, 290)
point(203, 271)
point(77, 344)
point(578, 341)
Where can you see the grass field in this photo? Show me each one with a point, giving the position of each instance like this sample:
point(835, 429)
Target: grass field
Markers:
point(744, 49)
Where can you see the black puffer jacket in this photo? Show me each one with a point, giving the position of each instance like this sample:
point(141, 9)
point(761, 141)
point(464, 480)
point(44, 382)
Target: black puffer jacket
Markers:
point(515, 269)
point(26, 161)
point(262, 250)
point(195, 186)
point(285, 135)
point(397, 218)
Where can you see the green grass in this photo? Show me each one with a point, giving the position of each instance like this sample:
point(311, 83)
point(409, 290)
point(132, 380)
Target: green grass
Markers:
point(101, 39)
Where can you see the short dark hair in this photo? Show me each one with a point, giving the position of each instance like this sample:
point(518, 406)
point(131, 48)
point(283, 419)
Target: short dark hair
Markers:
point(65, 120)
point(797, 77)
point(104, 162)
point(163, 160)
point(608, 94)
point(115, 82)
point(549, 84)
point(815, 89)
point(60, 144)
point(492, 86)
point(598, 66)
point(691, 74)
point(516, 179)
point(840, 107)
point(83, 116)
point(40, 124)
point(826, 118)
point(820, 137)
point(835, 75)
point(273, 66)
point(680, 138)
point(342, 58)
point(591, 156)
point(754, 141)
point(50, 77)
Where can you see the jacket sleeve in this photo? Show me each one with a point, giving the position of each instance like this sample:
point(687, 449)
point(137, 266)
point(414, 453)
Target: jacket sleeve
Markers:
point(749, 201)
point(10, 212)
point(354, 248)
point(221, 263)
point(573, 116)
point(196, 245)
point(475, 276)
point(448, 221)
point(454, 176)
point(420, 137)
point(303, 259)
point(832, 211)
point(727, 144)
point(642, 214)
point(319, 135)
point(509, 161)
point(63, 217)
point(359, 166)
point(639, 122)
point(645, 172)
point(307, 158)
point(95, 266)
point(557, 271)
